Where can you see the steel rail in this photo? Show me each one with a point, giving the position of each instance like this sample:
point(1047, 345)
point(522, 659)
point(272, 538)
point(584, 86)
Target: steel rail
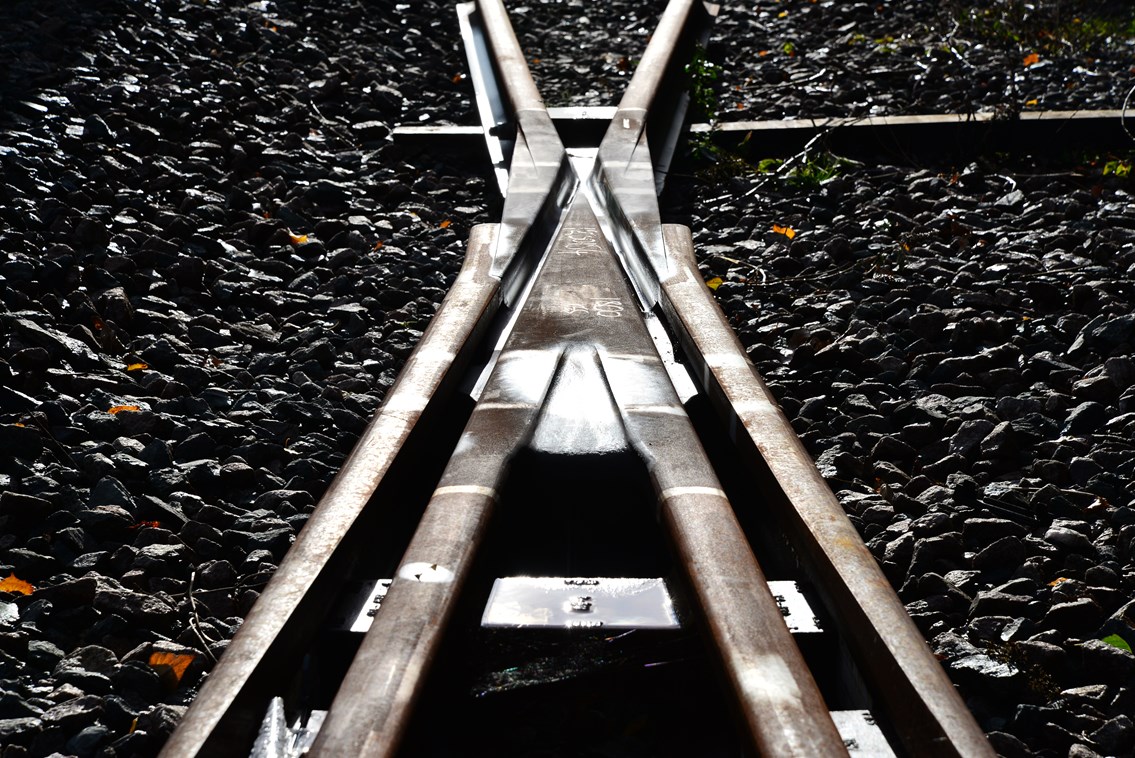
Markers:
point(927, 712)
point(260, 658)
point(583, 262)
point(610, 365)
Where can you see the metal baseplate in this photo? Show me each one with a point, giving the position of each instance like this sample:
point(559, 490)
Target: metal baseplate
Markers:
point(577, 602)
point(861, 735)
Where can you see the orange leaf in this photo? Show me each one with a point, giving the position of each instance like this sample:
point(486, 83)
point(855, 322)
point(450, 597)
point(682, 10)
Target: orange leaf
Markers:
point(20, 424)
point(377, 245)
point(762, 53)
point(1031, 103)
point(714, 283)
point(787, 231)
point(120, 408)
point(136, 366)
point(1058, 580)
point(171, 666)
point(13, 583)
point(1031, 58)
point(99, 324)
point(445, 224)
point(457, 78)
point(141, 524)
point(297, 239)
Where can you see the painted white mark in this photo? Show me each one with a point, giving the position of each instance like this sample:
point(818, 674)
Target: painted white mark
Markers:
point(673, 492)
point(428, 573)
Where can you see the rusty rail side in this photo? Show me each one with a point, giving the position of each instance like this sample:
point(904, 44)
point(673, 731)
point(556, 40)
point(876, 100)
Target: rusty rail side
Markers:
point(930, 717)
point(265, 651)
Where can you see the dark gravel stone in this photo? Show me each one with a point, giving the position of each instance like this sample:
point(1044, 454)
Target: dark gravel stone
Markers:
point(992, 603)
point(19, 731)
point(1097, 661)
point(1069, 539)
point(1074, 618)
point(74, 715)
point(968, 438)
point(1116, 736)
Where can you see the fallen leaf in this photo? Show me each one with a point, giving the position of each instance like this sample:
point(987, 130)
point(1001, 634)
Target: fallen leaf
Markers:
point(1031, 58)
point(297, 239)
point(13, 583)
point(714, 283)
point(137, 366)
point(114, 410)
point(762, 53)
point(457, 78)
point(445, 224)
point(1058, 580)
point(99, 324)
point(782, 14)
point(1032, 102)
point(377, 245)
point(1116, 641)
point(171, 667)
point(787, 231)
point(144, 524)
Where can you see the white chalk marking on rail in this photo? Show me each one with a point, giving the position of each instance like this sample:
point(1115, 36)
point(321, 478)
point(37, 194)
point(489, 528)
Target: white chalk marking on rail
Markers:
point(770, 679)
point(754, 407)
point(673, 492)
point(428, 573)
point(434, 355)
point(466, 489)
point(503, 406)
point(726, 360)
point(404, 402)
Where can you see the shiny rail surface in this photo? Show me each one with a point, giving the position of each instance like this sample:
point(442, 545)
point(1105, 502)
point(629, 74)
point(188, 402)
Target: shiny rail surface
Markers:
point(578, 338)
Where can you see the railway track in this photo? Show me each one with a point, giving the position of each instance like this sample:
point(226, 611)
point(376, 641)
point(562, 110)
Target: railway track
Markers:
point(578, 491)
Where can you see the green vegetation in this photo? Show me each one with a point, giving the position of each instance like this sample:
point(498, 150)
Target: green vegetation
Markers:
point(1116, 641)
point(702, 74)
point(1047, 25)
point(1120, 168)
point(807, 171)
